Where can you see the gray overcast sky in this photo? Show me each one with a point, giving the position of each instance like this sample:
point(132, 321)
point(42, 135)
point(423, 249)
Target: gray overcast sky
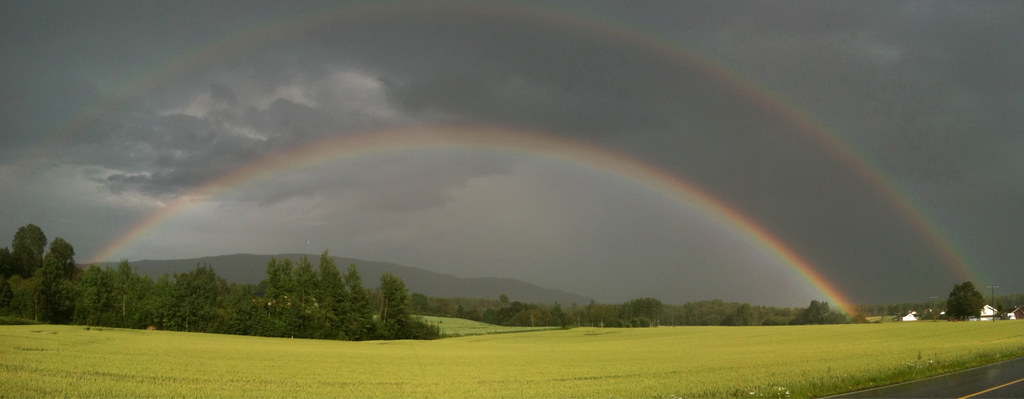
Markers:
point(113, 111)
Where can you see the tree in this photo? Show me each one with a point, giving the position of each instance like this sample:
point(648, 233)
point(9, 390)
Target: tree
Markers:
point(705, 313)
point(394, 309)
point(55, 292)
point(96, 303)
point(278, 299)
point(813, 314)
point(819, 313)
point(559, 317)
point(63, 254)
point(420, 304)
point(7, 265)
point(6, 295)
point(304, 305)
point(964, 301)
point(161, 303)
point(742, 316)
point(359, 324)
point(237, 312)
point(279, 281)
point(130, 292)
point(195, 296)
point(24, 297)
point(331, 296)
point(27, 249)
point(642, 312)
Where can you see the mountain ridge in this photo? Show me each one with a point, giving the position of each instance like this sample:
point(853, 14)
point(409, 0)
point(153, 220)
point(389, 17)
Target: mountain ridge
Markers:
point(251, 269)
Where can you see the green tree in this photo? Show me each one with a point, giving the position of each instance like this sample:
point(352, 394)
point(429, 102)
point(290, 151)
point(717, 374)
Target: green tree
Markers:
point(419, 304)
point(7, 265)
point(161, 303)
point(279, 280)
point(304, 304)
point(63, 254)
point(278, 296)
point(600, 315)
point(331, 296)
point(55, 293)
point(130, 292)
point(705, 313)
point(195, 297)
point(559, 317)
point(819, 313)
point(642, 312)
point(359, 324)
point(6, 295)
point(96, 303)
point(964, 301)
point(394, 309)
point(27, 249)
point(237, 313)
point(742, 316)
point(530, 316)
point(24, 297)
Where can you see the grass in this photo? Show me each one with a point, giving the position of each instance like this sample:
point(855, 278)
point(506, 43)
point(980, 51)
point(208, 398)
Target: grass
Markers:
point(11, 320)
point(454, 327)
point(790, 361)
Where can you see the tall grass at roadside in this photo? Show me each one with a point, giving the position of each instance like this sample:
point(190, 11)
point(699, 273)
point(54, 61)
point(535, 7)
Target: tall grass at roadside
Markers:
point(790, 361)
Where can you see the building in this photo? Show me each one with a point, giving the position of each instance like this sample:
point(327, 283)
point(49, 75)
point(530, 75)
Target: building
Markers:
point(1015, 314)
point(910, 316)
point(988, 312)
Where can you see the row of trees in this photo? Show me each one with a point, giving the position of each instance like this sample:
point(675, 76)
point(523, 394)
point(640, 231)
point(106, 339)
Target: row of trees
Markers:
point(294, 301)
point(34, 278)
point(640, 312)
point(298, 300)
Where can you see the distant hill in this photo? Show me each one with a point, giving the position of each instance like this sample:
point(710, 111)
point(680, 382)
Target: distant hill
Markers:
point(251, 269)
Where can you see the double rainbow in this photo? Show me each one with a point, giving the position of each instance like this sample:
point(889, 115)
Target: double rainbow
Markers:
point(530, 142)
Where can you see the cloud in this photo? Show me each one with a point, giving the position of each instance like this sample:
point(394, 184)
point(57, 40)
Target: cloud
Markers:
point(196, 136)
point(143, 112)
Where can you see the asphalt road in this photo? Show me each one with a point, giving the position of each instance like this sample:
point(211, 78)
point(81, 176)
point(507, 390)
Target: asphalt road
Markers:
point(1000, 380)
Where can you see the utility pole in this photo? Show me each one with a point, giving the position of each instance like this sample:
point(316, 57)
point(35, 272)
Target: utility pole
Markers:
point(993, 288)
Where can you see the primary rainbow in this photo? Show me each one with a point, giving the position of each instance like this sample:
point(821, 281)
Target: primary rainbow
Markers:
point(470, 137)
point(805, 124)
point(775, 103)
point(686, 57)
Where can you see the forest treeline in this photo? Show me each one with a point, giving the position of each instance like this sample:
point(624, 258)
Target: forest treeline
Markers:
point(639, 312)
point(299, 300)
point(295, 300)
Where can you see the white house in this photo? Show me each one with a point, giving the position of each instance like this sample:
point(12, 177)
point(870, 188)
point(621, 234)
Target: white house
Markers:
point(911, 316)
point(988, 312)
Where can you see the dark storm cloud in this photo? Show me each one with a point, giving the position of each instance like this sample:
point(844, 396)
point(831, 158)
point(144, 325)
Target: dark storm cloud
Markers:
point(928, 93)
point(930, 104)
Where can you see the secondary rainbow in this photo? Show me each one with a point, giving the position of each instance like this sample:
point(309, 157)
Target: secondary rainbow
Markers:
point(805, 124)
point(773, 102)
point(470, 137)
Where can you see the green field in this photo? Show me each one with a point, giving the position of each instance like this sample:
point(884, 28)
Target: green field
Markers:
point(793, 361)
point(451, 326)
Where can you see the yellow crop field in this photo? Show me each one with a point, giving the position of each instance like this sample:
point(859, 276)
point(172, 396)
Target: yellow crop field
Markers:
point(665, 362)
